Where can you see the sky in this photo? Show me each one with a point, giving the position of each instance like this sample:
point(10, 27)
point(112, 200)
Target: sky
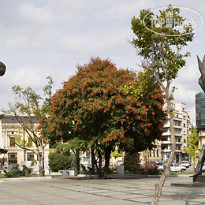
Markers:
point(41, 38)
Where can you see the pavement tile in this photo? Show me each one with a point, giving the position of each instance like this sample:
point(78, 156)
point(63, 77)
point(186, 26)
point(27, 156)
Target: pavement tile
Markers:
point(98, 192)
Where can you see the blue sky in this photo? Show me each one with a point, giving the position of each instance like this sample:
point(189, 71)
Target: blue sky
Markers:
point(50, 37)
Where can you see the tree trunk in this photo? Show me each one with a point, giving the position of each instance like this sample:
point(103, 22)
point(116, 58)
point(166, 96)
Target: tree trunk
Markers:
point(43, 168)
point(93, 161)
point(41, 163)
point(159, 186)
point(99, 166)
point(107, 161)
point(77, 162)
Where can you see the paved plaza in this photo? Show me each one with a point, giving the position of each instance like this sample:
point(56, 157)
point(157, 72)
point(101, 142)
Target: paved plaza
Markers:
point(81, 191)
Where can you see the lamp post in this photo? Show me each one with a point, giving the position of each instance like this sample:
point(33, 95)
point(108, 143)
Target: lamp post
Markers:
point(2, 68)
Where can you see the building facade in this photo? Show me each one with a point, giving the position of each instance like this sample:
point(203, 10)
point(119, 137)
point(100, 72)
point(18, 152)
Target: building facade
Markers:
point(10, 128)
point(182, 129)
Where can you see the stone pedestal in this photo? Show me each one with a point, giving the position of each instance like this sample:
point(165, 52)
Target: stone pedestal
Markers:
point(200, 178)
point(120, 169)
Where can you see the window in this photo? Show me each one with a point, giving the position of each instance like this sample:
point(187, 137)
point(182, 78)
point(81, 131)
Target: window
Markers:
point(12, 155)
point(39, 157)
point(30, 156)
point(87, 154)
point(150, 153)
point(12, 141)
point(12, 158)
point(157, 153)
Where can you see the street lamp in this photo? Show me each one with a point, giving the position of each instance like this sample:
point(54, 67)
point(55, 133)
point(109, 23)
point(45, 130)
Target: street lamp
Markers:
point(2, 69)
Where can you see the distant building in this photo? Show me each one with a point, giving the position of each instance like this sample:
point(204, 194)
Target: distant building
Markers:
point(200, 111)
point(182, 129)
point(10, 127)
point(200, 116)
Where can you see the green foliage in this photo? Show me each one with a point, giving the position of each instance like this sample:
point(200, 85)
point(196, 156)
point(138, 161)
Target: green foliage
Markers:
point(78, 144)
point(160, 45)
point(16, 172)
point(153, 171)
point(34, 107)
point(61, 159)
point(116, 154)
point(2, 116)
point(193, 147)
point(3, 151)
point(131, 161)
point(93, 107)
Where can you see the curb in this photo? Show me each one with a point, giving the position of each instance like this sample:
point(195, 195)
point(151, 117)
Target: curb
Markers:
point(24, 178)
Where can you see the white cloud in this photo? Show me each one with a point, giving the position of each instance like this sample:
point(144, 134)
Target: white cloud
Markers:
point(39, 38)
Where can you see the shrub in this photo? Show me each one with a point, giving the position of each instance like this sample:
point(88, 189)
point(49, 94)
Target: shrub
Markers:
point(16, 172)
point(60, 161)
point(26, 171)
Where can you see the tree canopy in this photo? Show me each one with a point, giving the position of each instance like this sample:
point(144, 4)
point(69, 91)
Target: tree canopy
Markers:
point(95, 105)
point(192, 148)
point(159, 39)
point(29, 104)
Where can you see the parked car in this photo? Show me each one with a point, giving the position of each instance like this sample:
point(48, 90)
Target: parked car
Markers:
point(177, 168)
point(185, 164)
point(162, 167)
point(149, 165)
point(203, 168)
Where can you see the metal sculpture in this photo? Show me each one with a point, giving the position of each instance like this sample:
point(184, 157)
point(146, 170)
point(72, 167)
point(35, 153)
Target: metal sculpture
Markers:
point(2, 69)
point(202, 70)
point(198, 170)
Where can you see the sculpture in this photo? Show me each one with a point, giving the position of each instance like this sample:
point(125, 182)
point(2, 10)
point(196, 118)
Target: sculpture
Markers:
point(2, 69)
point(201, 160)
point(202, 70)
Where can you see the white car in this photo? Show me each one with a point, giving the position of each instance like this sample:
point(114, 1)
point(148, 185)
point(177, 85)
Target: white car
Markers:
point(185, 164)
point(203, 168)
point(177, 168)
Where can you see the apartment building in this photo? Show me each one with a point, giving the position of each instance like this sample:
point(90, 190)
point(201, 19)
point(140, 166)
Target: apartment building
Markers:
point(182, 129)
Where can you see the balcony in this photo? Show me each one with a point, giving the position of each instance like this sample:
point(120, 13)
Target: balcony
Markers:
point(178, 150)
point(166, 133)
point(166, 150)
point(178, 126)
point(165, 142)
point(178, 134)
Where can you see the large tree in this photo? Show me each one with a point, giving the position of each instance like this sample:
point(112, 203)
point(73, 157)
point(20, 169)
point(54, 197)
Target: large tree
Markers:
point(33, 106)
point(94, 105)
point(159, 42)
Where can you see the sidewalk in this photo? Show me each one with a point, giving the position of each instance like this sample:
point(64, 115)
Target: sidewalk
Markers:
point(82, 191)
